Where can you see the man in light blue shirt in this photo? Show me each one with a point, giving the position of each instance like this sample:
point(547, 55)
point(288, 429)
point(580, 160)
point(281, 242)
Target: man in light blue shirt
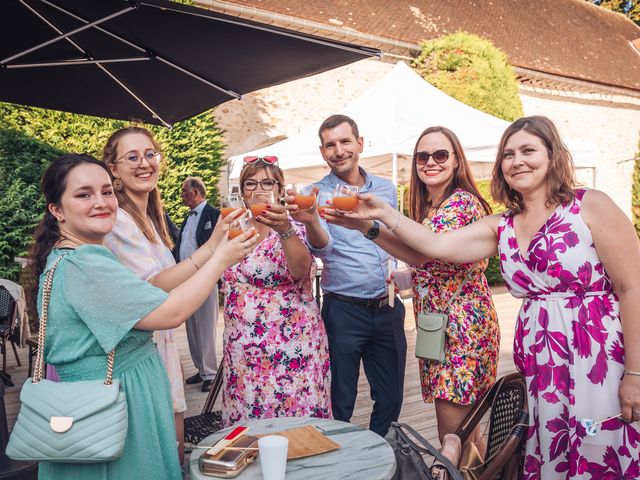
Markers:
point(360, 323)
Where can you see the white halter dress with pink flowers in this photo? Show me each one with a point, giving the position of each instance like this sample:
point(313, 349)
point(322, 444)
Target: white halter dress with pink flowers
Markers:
point(568, 343)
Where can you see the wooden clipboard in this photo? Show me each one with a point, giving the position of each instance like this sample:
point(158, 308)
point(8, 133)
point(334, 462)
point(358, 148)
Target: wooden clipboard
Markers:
point(305, 442)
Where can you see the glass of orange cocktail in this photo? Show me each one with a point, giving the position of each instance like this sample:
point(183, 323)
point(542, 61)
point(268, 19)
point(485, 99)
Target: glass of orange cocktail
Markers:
point(303, 195)
point(345, 197)
point(240, 225)
point(260, 200)
point(231, 202)
point(325, 200)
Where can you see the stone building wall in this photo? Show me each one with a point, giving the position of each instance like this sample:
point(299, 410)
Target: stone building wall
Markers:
point(272, 114)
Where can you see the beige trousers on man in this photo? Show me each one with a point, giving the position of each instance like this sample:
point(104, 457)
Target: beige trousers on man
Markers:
point(201, 335)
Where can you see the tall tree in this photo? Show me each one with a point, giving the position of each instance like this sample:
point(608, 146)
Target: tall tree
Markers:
point(629, 8)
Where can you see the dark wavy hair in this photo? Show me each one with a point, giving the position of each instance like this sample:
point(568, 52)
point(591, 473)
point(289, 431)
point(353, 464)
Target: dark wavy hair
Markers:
point(420, 200)
point(47, 233)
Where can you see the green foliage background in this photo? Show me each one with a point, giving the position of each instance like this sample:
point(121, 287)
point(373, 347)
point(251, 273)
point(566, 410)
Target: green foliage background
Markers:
point(635, 193)
point(31, 137)
point(471, 69)
point(629, 8)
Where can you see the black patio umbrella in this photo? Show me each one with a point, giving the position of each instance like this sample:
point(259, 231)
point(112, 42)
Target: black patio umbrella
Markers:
point(153, 60)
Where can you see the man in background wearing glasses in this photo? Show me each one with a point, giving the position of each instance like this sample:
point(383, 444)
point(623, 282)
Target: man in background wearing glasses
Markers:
point(201, 326)
point(361, 325)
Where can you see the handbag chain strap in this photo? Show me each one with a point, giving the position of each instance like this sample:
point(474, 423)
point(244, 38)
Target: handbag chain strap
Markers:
point(38, 372)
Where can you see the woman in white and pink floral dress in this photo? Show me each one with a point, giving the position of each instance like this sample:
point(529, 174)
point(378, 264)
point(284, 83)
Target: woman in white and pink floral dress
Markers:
point(276, 355)
point(573, 256)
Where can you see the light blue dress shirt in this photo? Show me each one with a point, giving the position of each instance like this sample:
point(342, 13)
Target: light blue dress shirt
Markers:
point(352, 264)
point(188, 242)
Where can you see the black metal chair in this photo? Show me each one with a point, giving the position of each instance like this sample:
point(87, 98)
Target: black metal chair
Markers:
point(12, 469)
point(7, 316)
point(508, 420)
point(199, 427)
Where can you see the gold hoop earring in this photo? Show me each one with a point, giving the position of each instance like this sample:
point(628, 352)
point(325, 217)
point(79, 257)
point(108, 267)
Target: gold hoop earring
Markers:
point(118, 185)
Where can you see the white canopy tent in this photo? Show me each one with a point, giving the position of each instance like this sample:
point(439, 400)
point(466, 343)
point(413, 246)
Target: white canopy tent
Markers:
point(390, 117)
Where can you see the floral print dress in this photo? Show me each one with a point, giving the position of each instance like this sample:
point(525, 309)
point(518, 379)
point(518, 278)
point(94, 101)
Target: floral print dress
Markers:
point(473, 334)
point(569, 345)
point(276, 355)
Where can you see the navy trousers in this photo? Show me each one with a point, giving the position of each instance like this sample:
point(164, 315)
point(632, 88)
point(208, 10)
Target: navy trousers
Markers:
point(377, 337)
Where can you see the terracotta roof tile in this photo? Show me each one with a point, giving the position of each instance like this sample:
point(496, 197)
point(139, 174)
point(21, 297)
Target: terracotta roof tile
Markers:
point(571, 38)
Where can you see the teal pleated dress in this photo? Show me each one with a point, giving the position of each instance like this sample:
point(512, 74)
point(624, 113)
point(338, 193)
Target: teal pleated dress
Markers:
point(95, 303)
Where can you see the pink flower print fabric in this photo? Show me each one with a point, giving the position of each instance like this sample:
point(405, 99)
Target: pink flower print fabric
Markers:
point(276, 355)
point(569, 345)
point(473, 335)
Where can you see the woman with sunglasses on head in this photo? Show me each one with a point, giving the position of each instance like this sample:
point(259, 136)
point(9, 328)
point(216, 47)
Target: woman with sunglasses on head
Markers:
point(573, 257)
point(443, 197)
point(276, 356)
point(98, 305)
point(142, 241)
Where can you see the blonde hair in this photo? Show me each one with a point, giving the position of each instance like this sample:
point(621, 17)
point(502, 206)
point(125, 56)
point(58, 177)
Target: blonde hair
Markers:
point(155, 209)
point(560, 179)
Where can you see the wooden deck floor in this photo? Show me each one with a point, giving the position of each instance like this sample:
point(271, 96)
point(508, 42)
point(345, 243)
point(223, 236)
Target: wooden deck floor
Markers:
point(415, 412)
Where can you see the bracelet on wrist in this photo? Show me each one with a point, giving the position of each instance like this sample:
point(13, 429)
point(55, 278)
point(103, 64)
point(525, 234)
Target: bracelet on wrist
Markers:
point(194, 262)
point(632, 373)
point(398, 218)
point(289, 233)
point(210, 248)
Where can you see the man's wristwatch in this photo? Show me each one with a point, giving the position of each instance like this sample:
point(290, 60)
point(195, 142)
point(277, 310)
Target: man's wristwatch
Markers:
point(374, 231)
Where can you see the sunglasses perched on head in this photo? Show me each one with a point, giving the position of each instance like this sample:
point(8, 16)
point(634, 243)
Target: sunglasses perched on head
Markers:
point(439, 156)
point(268, 159)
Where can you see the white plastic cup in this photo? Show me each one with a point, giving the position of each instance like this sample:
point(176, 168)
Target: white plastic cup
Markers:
point(273, 456)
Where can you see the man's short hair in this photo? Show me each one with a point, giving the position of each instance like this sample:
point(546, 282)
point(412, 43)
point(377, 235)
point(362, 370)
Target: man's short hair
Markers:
point(334, 120)
point(196, 184)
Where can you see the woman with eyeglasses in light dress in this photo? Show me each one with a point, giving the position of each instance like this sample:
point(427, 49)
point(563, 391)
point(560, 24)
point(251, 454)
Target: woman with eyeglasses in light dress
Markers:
point(276, 355)
point(141, 239)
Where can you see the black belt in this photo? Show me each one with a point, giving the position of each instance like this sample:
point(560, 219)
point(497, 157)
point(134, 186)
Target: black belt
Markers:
point(374, 303)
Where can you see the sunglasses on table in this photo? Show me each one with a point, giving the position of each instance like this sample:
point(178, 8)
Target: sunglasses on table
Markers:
point(268, 159)
point(439, 156)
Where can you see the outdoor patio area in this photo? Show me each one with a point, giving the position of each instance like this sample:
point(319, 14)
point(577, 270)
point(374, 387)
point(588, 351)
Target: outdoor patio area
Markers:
point(414, 411)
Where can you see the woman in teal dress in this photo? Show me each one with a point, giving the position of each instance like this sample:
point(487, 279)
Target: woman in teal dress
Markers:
point(97, 305)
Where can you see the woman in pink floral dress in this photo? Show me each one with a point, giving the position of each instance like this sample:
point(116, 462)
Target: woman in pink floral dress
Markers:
point(276, 355)
point(573, 256)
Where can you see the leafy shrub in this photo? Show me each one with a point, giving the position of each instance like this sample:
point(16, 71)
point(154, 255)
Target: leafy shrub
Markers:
point(635, 193)
point(471, 69)
point(494, 277)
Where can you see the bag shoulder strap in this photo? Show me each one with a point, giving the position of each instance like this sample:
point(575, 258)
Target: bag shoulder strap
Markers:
point(38, 371)
point(466, 278)
point(426, 447)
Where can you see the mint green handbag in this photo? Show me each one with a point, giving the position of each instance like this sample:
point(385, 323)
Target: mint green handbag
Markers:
point(431, 330)
point(68, 422)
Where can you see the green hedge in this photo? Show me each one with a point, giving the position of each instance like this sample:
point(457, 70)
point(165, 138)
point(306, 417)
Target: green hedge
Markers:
point(471, 69)
point(31, 137)
point(635, 193)
point(494, 277)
